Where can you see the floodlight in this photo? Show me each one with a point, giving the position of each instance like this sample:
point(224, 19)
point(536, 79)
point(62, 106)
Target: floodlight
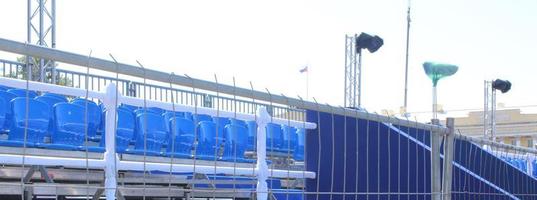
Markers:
point(369, 42)
point(502, 85)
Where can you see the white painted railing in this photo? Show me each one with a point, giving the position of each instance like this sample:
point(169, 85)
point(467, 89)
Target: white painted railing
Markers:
point(111, 163)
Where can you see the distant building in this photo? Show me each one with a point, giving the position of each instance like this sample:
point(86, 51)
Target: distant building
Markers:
point(512, 127)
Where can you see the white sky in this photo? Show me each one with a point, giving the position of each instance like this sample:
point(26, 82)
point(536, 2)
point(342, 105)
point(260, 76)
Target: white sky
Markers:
point(267, 42)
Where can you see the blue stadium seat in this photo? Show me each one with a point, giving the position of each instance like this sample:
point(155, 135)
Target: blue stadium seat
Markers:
point(182, 138)
point(290, 138)
point(3, 111)
point(236, 140)
point(208, 143)
point(287, 194)
point(33, 122)
point(201, 118)
point(169, 115)
point(70, 127)
point(301, 140)
point(23, 92)
point(150, 134)
point(53, 95)
point(128, 107)
point(94, 116)
point(153, 110)
point(5, 88)
point(274, 137)
point(50, 101)
point(124, 132)
point(252, 134)
point(7, 97)
point(221, 123)
point(237, 122)
point(534, 168)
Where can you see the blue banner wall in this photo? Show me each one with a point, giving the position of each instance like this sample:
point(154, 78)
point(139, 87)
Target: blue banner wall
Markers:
point(361, 159)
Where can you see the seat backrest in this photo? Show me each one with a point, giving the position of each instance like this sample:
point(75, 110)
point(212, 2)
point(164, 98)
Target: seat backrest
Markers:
point(7, 96)
point(49, 100)
point(153, 110)
point(274, 136)
point(125, 119)
point(38, 116)
point(70, 124)
point(128, 107)
point(237, 122)
point(53, 95)
point(5, 88)
point(93, 110)
point(237, 134)
point(202, 117)
point(153, 126)
point(23, 92)
point(290, 137)
point(169, 115)
point(183, 127)
point(207, 132)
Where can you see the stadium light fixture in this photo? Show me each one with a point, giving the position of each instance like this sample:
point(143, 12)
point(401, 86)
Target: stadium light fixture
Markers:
point(369, 42)
point(436, 71)
point(502, 85)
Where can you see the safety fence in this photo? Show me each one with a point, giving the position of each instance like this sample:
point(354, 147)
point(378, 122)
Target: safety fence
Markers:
point(209, 151)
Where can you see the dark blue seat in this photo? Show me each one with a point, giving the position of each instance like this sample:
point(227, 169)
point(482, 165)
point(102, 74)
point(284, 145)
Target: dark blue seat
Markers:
point(288, 194)
point(236, 140)
point(70, 127)
point(209, 145)
point(50, 101)
point(201, 118)
point(221, 123)
point(57, 96)
point(252, 134)
point(7, 97)
point(301, 140)
point(182, 138)
point(30, 117)
point(23, 93)
point(274, 137)
point(124, 132)
point(150, 134)
point(289, 139)
point(94, 113)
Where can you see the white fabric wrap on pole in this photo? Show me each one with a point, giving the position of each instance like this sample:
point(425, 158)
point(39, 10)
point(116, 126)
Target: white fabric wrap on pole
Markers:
point(261, 167)
point(110, 182)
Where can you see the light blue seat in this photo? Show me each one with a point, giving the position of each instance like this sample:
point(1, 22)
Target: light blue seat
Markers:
point(236, 140)
point(289, 139)
point(23, 93)
point(124, 132)
point(30, 117)
point(7, 97)
point(181, 141)
point(274, 137)
point(94, 113)
point(50, 101)
point(150, 134)
point(70, 127)
point(209, 145)
point(57, 96)
point(301, 141)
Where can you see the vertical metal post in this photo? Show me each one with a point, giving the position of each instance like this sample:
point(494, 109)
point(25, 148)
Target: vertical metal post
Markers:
point(493, 115)
point(110, 103)
point(406, 58)
point(435, 164)
point(486, 110)
point(346, 71)
point(448, 159)
point(262, 119)
point(435, 103)
point(44, 28)
point(359, 78)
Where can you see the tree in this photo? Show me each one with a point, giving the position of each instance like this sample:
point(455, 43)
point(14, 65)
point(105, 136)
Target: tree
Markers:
point(36, 74)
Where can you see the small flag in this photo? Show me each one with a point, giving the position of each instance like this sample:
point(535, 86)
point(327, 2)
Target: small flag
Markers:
point(305, 69)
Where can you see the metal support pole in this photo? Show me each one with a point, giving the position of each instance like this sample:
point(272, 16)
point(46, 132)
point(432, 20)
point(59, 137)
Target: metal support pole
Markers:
point(435, 103)
point(448, 159)
point(110, 102)
point(486, 110)
point(359, 79)
point(263, 118)
point(435, 164)
point(493, 115)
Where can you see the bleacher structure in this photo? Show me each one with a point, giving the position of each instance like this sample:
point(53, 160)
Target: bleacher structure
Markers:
point(135, 133)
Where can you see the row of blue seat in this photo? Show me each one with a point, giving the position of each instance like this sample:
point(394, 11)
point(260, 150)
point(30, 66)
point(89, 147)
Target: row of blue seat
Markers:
point(68, 124)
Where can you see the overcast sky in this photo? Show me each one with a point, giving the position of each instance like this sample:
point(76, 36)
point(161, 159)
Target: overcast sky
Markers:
point(267, 42)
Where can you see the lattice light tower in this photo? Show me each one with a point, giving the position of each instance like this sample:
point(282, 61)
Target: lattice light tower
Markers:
point(352, 73)
point(489, 110)
point(41, 30)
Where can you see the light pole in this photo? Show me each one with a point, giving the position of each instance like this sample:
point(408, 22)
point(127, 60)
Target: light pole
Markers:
point(436, 71)
point(489, 111)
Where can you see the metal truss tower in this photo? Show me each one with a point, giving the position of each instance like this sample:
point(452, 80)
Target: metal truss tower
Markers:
point(352, 73)
point(489, 112)
point(41, 31)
